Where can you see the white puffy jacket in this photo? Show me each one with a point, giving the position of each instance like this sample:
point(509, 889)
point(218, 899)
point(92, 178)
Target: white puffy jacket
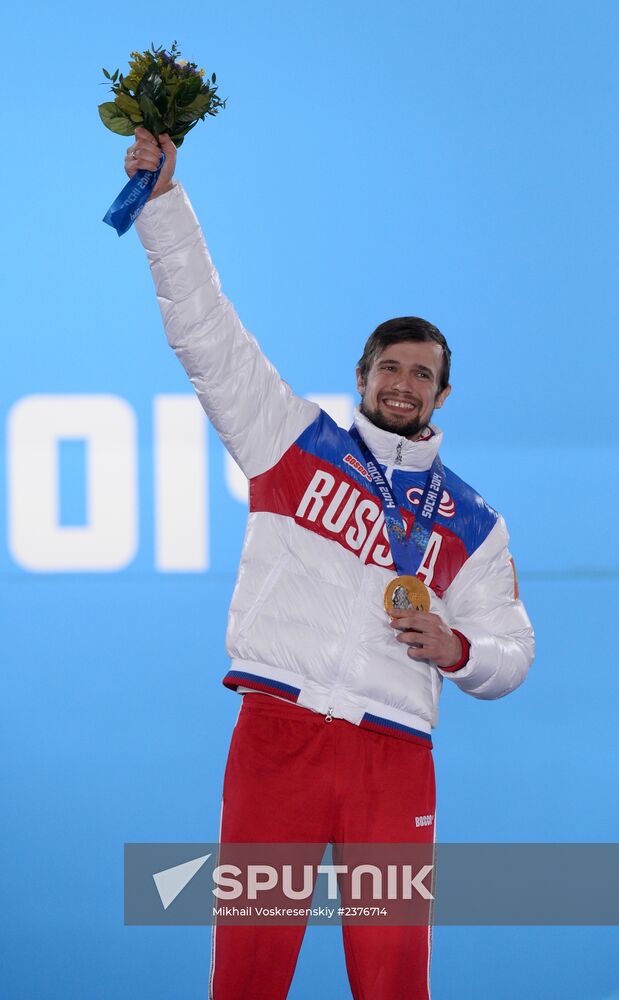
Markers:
point(307, 621)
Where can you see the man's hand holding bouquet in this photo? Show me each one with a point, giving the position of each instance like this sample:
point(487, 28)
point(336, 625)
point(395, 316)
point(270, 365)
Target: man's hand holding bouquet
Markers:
point(160, 100)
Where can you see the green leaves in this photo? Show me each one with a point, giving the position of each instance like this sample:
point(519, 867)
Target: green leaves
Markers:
point(115, 119)
point(152, 119)
point(187, 91)
point(129, 106)
point(151, 86)
point(199, 106)
point(162, 92)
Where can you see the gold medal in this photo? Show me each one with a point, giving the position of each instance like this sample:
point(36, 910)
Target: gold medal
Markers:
point(408, 593)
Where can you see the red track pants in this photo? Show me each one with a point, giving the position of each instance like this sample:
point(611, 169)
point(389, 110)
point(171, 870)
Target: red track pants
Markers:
point(292, 777)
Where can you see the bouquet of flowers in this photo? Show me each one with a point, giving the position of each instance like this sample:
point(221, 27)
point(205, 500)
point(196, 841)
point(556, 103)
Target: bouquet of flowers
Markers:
point(162, 93)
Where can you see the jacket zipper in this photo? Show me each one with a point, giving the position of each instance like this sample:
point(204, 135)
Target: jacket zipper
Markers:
point(329, 715)
point(398, 453)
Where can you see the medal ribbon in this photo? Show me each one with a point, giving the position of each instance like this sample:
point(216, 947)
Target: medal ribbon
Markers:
point(123, 212)
point(407, 551)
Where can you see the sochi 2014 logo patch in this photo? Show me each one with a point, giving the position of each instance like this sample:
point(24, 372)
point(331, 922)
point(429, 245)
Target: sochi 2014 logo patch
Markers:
point(446, 508)
point(356, 465)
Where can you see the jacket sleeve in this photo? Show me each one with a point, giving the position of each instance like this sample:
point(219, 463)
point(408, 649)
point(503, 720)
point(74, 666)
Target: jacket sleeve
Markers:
point(254, 411)
point(482, 604)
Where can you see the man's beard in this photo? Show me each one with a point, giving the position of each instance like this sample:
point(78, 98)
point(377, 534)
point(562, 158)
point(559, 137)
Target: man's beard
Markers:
point(408, 430)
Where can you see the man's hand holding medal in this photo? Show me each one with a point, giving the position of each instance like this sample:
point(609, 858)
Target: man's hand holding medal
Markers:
point(427, 636)
point(407, 602)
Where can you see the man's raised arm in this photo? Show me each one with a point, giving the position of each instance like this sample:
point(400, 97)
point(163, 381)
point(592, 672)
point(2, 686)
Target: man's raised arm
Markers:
point(254, 411)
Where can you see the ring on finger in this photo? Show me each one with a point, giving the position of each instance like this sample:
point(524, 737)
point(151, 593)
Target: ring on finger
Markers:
point(134, 154)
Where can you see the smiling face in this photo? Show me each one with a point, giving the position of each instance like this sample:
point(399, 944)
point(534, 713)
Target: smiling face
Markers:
point(401, 389)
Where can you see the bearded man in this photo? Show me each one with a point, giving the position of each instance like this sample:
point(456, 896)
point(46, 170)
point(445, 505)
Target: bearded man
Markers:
point(333, 742)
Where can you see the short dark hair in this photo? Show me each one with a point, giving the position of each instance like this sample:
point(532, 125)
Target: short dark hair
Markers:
point(395, 331)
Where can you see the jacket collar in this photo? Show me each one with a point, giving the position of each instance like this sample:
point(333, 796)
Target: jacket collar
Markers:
point(416, 456)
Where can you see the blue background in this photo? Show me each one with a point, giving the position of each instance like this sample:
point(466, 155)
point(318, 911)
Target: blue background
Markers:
point(451, 160)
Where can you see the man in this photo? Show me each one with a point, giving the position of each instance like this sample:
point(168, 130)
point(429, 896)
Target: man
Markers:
point(340, 749)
